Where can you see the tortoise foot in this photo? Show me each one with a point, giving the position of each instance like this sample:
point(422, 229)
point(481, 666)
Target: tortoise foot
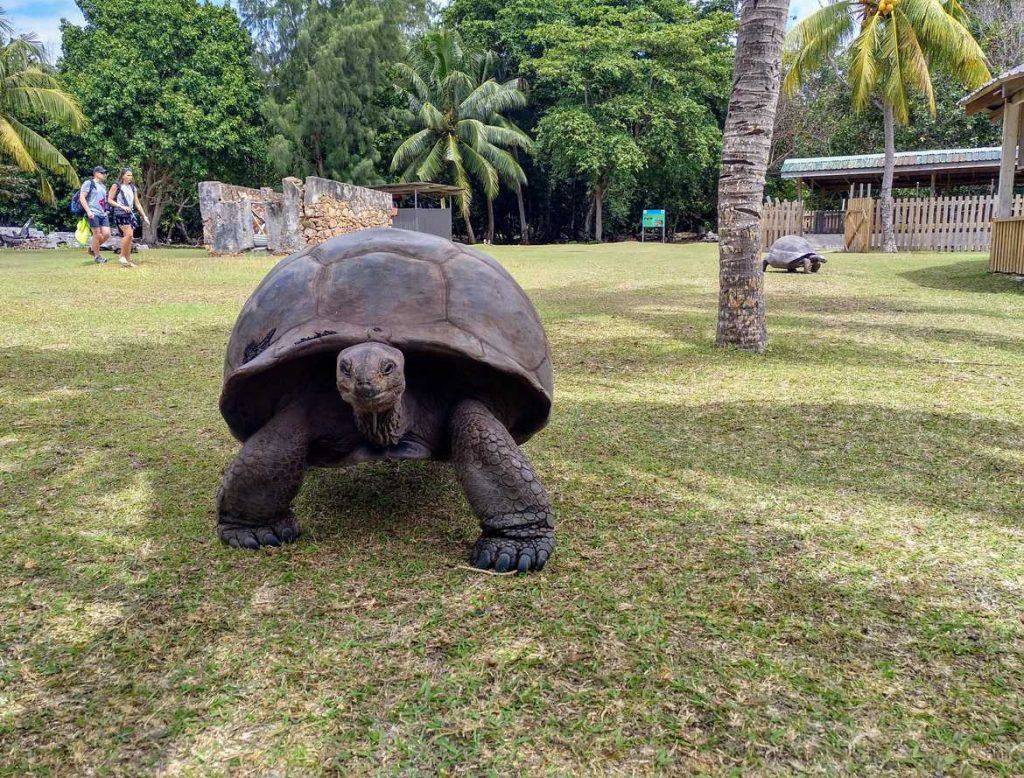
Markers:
point(285, 530)
point(502, 554)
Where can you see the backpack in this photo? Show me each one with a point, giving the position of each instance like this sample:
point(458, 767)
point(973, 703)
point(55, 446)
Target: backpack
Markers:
point(76, 204)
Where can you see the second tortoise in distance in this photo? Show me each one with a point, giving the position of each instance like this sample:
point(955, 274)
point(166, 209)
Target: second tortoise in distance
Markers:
point(791, 253)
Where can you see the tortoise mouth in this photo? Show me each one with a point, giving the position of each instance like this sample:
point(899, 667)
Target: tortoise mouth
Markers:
point(372, 400)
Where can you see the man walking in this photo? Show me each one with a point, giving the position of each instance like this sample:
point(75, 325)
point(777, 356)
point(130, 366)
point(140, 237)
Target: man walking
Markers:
point(93, 197)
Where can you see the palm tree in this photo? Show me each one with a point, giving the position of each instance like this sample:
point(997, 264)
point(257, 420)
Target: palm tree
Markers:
point(455, 99)
point(29, 90)
point(891, 45)
point(746, 142)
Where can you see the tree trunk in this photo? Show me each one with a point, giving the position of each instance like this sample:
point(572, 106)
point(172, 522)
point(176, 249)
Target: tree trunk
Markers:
point(524, 237)
point(746, 143)
point(589, 220)
point(149, 231)
point(888, 232)
point(490, 221)
point(598, 207)
point(469, 224)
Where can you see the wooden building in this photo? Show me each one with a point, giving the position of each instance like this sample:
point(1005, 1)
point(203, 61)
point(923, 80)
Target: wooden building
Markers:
point(932, 171)
point(1003, 98)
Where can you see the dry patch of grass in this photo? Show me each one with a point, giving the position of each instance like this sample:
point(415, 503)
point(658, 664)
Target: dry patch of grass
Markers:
point(810, 561)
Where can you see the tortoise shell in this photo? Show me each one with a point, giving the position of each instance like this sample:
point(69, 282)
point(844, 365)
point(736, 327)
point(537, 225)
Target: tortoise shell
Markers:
point(455, 313)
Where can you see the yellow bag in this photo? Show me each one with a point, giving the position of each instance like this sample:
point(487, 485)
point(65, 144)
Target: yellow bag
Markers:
point(84, 233)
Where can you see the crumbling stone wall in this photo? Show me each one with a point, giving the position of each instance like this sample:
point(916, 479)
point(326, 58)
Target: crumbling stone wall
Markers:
point(331, 208)
point(301, 214)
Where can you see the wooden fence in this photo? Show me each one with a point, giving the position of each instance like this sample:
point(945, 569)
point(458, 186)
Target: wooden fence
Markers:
point(778, 218)
point(1007, 246)
point(941, 223)
point(921, 223)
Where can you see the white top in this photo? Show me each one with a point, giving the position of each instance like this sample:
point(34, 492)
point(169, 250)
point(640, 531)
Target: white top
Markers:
point(126, 195)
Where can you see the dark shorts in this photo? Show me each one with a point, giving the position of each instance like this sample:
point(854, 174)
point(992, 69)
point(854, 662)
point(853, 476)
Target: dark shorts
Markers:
point(122, 219)
point(99, 220)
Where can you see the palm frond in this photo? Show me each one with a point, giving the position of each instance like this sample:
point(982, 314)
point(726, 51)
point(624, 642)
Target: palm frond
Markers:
point(411, 148)
point(812, 41)
point(432, 165)
point(894, 89)
point(13, 148)
point(913, 63)
point(55, 105)
point(44, 153)
point(864, 62)
point(508, 169)
point(482, 170)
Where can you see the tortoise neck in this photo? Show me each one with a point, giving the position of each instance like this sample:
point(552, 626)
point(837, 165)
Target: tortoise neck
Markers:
point(384, 428)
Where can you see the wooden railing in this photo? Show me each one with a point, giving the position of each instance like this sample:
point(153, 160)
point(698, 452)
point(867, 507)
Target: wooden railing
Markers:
point(941, 223)
point(921, 223)
point(1007, 246)
point(778, 218)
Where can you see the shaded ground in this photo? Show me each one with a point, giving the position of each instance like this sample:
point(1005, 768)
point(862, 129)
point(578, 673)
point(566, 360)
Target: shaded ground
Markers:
point(810, 561)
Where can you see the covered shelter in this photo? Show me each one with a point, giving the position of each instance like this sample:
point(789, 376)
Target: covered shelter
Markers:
point(1003, 99)
point(422, 206)
point(934, 170)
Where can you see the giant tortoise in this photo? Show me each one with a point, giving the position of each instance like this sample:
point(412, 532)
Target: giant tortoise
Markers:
point(389, 344)
point(792, 252)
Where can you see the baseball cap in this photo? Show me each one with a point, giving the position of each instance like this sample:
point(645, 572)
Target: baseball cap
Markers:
point(99, 169)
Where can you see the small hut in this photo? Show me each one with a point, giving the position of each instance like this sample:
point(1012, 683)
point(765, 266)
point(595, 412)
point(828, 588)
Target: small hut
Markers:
point(1003, 98)
point(422, 206)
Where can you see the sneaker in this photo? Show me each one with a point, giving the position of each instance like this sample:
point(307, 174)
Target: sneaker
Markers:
point(99, 260)
point(126, 262)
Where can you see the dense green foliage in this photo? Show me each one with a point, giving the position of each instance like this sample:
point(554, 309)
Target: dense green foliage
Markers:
point(626, 100)
point(457, 106)
point(31, 92)
point(327, 69)
point(169, 86)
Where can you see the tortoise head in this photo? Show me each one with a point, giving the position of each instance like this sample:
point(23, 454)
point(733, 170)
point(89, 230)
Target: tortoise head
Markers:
point(371, 377)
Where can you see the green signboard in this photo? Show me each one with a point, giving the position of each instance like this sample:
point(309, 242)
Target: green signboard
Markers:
point(654, 218)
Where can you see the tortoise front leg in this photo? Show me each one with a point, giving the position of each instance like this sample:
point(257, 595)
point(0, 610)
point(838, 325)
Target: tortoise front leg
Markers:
point(513, 508)
point(255, 496)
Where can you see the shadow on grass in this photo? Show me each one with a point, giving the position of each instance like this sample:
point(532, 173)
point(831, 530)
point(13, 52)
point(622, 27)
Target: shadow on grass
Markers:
point(969, 276)
point(817, 329)
point(128, 632)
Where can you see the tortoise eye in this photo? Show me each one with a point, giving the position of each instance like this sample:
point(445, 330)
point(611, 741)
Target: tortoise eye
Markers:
point(388, 368)
point(345, 368)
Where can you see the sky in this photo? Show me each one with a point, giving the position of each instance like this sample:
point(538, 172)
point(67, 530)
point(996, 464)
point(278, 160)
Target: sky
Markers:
point(42, 17)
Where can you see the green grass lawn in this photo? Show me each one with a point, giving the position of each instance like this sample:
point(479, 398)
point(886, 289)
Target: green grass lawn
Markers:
point(807, 561)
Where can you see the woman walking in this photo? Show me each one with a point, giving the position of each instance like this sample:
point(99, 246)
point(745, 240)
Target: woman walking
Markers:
point(124, 199)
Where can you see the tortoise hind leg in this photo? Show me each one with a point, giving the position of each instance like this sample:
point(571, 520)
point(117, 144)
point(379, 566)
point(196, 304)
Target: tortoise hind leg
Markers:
point(513, 508)
point(254, 499)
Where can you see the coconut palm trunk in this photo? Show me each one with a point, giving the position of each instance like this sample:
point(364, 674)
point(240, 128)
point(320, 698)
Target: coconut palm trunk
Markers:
point(490, 221)
point(746, 143)
point(524, 229)
point(888, 231)
point(464, 208)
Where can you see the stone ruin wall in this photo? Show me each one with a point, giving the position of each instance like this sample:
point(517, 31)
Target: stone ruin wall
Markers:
point(301, 214)
point(331, 208)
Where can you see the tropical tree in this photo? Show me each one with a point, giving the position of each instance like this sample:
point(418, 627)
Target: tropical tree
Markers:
point(30, 92)
point(891, 47)
point(171, 89)
point(645, 82)
point(459, 106)
point(746, 142)
point(327, 66)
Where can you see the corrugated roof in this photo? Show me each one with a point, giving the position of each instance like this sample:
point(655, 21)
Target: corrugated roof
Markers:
point(987, 95)
point(792, 168)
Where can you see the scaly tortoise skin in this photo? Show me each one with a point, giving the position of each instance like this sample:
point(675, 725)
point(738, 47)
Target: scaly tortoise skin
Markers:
point(389, 344)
